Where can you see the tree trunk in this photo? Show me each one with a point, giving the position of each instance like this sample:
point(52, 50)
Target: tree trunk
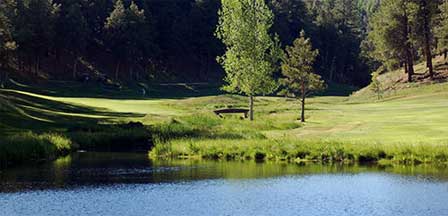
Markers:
point(37, 63)
point(405, 67)
point(302, 115)
point(75, 68)
point(251, 107)
point(117, 68)
point(408, 47)
point(131, 72)
point(427, 32)
point(445, 54)
point(410, 65)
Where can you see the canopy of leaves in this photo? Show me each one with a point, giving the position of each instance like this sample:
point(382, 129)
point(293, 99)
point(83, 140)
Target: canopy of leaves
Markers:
point(249, 61)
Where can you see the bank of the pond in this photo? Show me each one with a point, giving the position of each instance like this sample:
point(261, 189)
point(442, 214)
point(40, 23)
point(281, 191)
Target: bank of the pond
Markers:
point(301, 150)
point(31, 147)
point(25, 147)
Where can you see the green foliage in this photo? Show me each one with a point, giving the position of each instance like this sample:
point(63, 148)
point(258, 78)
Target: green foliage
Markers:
point(297, 67)
point(110, 137)
point(375, 85)
point(7, 43)
point(32, 147)
point(300, 151)
point(442, 28)
point(393, 28)
point(250, 56)
point(128, 35)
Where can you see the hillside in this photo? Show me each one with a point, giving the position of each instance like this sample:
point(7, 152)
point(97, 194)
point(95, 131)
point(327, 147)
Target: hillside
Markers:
point(407, 114)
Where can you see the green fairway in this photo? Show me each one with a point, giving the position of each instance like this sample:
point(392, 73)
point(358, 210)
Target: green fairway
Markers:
point(410, 115)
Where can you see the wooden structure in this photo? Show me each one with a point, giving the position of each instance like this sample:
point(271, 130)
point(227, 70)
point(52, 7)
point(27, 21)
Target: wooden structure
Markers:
point(232, 111)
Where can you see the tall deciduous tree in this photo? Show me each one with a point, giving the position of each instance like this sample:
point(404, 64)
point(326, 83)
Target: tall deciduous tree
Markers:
point(251, 53)
point(392, 30)
point(300, 80)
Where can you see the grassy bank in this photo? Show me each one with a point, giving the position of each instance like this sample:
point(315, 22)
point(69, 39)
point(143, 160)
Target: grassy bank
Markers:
point(406, 125)
point(32, 147)
point(301, 151)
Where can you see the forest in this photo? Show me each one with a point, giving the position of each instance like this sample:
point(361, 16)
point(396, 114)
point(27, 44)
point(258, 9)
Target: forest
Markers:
point(169, 40)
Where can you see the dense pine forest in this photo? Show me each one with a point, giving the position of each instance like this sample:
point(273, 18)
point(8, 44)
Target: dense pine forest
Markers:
point(174, 40)
point(168, 40)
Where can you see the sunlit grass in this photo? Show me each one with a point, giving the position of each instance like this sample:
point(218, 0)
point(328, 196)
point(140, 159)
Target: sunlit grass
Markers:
point(32, 147)
point(409, 117)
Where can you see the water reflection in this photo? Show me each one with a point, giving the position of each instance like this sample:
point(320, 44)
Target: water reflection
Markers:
point(131, 184)
point(87, 169)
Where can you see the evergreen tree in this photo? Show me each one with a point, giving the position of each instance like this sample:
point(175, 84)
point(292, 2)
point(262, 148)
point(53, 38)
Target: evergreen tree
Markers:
point(34, 29)
point(7, 46)
point(391, 34)
point(7, 43)
point(442, 29)
point(73, 32)
point(426, 13)
point(300, 80)
point(128, 37)
point(249, 61)
point(116, 29)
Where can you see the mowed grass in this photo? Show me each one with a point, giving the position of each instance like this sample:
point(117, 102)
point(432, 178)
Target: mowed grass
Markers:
point(408, 122)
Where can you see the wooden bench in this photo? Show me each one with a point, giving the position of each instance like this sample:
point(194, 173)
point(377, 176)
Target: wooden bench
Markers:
point(232, 111)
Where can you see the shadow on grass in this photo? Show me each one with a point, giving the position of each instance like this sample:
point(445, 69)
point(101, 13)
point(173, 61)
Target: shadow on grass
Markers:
point(134, 91)
point(24, 112)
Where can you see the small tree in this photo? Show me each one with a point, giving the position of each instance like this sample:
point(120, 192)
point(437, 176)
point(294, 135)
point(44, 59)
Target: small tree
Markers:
point(376, 86)
point(251, 52)
point(300, 80)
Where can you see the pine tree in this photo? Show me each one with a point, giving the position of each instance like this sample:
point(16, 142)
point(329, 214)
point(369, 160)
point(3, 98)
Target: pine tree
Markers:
point(425, 16)
point(300, 80)
point(442, 29)
point(128, 37)
point(34, 29)
point(7, 43)
point(391, 34)
point(7, 46)
point(250, 57)
point(73, 32)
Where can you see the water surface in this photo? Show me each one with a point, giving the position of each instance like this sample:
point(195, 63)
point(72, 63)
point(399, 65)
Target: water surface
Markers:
point(131, 184)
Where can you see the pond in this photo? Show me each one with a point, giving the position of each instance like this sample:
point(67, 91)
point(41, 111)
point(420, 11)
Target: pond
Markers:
point(131, 184)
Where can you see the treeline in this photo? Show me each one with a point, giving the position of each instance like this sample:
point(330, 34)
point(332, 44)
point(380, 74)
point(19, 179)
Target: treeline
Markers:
point(167, 39)
point(403, 31)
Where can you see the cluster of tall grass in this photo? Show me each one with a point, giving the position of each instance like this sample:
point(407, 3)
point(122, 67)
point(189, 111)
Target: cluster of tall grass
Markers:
point(29, 146)
point(110, 137)
point(294, 150)
point(210, 127)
